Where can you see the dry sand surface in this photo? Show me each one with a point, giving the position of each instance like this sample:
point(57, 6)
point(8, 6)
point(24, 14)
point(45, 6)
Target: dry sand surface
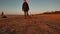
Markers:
point(34, 24)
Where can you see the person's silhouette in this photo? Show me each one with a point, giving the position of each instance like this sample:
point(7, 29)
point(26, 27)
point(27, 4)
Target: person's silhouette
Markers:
point(3, 16)
point(25, 8)
point(2, 13)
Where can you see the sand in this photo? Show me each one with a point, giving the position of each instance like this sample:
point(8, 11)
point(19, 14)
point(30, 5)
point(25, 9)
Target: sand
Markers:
point(33, 24)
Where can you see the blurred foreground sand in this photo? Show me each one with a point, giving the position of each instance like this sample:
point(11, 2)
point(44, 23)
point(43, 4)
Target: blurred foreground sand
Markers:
point(35, 24)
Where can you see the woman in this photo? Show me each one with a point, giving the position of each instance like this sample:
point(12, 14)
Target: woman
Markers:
point(25, 8)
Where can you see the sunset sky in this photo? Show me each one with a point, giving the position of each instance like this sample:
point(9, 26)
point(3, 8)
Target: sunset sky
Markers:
point(36, 6)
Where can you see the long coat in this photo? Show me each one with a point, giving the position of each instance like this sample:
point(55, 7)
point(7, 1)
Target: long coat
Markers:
point(25, 6)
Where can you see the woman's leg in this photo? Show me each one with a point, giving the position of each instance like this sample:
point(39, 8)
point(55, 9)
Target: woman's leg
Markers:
point(27, 13)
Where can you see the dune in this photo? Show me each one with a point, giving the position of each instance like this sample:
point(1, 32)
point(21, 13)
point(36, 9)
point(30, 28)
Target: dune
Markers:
point(33, 24)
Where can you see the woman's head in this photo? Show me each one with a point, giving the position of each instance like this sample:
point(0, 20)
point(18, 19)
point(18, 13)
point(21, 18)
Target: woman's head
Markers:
point(24, 0)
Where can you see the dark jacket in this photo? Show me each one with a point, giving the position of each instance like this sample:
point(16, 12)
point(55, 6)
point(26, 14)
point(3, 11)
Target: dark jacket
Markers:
point(25, 6)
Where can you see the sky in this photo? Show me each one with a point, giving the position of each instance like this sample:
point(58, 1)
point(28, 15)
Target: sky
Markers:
point(36, 6)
